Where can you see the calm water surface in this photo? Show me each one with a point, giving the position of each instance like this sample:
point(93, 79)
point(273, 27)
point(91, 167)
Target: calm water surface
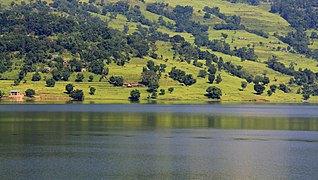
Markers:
point(158, 142)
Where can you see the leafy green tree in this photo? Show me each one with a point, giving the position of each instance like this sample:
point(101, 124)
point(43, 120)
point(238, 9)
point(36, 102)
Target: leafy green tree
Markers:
point(116, 80)
point(30, 92)
point(211, 78)
point(90, 78)
point(153, 86)
point(243, 84)
point(106, 71)
point(218, 79)
point(149, 76)
point(154, 95)
point(79, 77)
point(284, 88)
point(92, 90)
point(213, 92)
point(134, 95)
point(212, 69)
point(162, 92)
point(269, 92)
point(50, 82)
point(259, 88)
point(202, 74)
point(170, 89)
point(77, 95)
point(306, 96)
point(36, 77)
point(188, 80)
point(273, 88)
point(69, 88)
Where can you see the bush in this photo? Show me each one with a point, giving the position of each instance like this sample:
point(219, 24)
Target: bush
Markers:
point(273, 88)
point(50, 82)
point(90, 78)
point(284, 88)
point(218, 79)
point(134, 95)
point(77, 95)
point(259, 88)
point(69, 88)
point(79, 77)
point(162, 92)
point(116, 80)
point(211, 78)
point(243, 84)
point(36, 77)
point(214, 92)
point(92, 90)
point(202, 73)
point(30, 92)
point(170, 89)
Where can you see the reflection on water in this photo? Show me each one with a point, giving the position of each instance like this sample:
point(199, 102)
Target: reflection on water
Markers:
point(163, 144)
point(129, 120)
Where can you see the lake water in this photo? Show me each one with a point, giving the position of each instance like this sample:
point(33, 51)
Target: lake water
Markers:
point(158, 142)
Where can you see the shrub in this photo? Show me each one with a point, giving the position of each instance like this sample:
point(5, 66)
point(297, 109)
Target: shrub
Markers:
point(214, 92)
point(30, 92)
point(50, 82)
point(134, 95)
point(92, 90)
point(77, 95)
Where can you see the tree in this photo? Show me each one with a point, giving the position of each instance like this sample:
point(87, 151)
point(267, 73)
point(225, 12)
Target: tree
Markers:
point(116, 80)
point(273, 88)
point(69, 88)
point(170, 89)
point(106, 71)
point(284, 88)
point(50, 82)
point(188, 80)
point(134, 95)
point(1, 94)
point(259, 88)
point(218, 79)
point(162, 92)
point(153, 86)
point(79, 77)
point(306, 96)
point(243, 84)
point(269, 92)
point(90, 78)
point(36, 77)
point(212, 69)
point(202, 73)
point(77, 95)
point(30, 92)
point(211, 78)
point(92, 90)
point(213, 92)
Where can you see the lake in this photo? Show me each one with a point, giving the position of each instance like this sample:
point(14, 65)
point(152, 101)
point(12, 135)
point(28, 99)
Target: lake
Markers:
point(159, 141)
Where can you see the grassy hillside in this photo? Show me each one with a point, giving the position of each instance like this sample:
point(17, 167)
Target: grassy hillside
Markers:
point(253, 17)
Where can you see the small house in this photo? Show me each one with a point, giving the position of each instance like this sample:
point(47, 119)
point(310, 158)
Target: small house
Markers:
point(15, 93)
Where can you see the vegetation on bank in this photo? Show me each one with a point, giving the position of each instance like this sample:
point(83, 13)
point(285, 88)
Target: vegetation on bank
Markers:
point(136, 51)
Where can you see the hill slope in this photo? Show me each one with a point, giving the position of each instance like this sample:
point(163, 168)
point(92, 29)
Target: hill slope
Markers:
point(237, 42)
